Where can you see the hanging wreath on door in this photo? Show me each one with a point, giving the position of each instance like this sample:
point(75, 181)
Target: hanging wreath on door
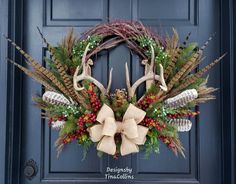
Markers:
point(82, 109)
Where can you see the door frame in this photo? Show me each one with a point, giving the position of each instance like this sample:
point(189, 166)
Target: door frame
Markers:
point(11, 24)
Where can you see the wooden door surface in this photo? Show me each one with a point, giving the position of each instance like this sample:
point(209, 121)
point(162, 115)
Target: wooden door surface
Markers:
point(203, 143)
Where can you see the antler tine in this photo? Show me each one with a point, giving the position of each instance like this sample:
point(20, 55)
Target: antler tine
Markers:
point(163, 85)
point(109, 81)
point(85, 53)
point(127, 79)
point(85, 75)
point(75, 77)
point(148, 76)
point(152, 58)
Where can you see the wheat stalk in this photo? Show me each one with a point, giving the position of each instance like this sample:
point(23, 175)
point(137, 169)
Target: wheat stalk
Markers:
point(69, 41)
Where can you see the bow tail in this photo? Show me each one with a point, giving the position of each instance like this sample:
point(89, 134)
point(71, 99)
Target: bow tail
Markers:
point(95, 132)
point(141, 139)
point(107, 145)
point(127, 146)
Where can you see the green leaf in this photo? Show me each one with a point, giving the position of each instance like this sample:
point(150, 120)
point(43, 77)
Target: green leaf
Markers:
point(196, 84)
point(86, 147)
point(69, 126)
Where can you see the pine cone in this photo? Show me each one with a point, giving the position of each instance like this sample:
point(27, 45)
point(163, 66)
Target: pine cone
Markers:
point(120, 97)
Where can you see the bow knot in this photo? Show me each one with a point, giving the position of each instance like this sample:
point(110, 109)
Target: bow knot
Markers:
point(132, 134)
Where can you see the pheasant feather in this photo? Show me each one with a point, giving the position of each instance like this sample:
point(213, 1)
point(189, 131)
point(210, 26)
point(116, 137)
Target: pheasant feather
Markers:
point(183, 125)
point(194, 77)
point(34, 76)
point(61, 70)
point(55, 98)
point(39, 68)
point(182, 99)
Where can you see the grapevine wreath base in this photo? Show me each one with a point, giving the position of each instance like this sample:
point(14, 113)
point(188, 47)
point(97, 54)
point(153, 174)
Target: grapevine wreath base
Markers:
point(83, 110)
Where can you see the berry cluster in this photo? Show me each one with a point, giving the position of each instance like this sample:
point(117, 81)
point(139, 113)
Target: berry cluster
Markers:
point(85, 121)
point(71, 137)
point(82, 122)
point(93, 98)
point(147, 100)
point(179, 115)
point(168, 141)
point(55, 118)
point(149, 122)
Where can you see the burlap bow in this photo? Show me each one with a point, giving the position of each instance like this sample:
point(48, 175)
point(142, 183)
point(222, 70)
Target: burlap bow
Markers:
point(132, 134)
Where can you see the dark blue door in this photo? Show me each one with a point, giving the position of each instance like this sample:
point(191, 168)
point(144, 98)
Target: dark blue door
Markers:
point(203, 143)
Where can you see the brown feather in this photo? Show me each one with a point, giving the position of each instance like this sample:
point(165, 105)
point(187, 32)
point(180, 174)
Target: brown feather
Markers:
point(40, 69)
point(208, 67)
point(185, 68)
point(61, 70)
point(34, 76)
point(176, 52)
point(194, 77)
point(179, 74)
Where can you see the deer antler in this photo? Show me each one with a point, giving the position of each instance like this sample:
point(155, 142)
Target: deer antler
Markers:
point(86, 75)
point(149, 75)
point(147, 65)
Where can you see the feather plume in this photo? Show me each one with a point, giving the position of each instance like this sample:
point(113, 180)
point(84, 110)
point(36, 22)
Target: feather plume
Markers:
point(183, 125)
point(193, 66)
point(187, 65)
point(34, 76)
point(39, 68)
point(55, 98)
point(175, 53)
point(208, 67)
point(182, 99)
point(61, 70)
point(191, 79)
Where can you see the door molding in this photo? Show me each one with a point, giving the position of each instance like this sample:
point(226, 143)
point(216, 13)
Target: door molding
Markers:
point(11, 14)
point(228, 79)
point(11, 21)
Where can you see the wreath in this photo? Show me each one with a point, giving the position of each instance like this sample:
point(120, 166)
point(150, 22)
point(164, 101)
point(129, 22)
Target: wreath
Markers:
point(83, 110)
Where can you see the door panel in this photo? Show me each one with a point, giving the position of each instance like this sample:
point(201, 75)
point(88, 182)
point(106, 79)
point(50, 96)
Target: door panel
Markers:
point(55, 17)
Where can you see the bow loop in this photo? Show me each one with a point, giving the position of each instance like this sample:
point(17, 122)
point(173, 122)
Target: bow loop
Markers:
point(130, 128)
point(132, 134)
point(104, 112)
point(109, 127)
point(95, 133)
point(127, 146)
point(107, 145)
point(135, 113)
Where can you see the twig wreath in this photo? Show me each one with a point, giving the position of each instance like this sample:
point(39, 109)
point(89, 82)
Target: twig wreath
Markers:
point(83, 110)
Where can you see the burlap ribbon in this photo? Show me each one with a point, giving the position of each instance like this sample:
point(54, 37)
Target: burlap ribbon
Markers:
point(132, 134)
